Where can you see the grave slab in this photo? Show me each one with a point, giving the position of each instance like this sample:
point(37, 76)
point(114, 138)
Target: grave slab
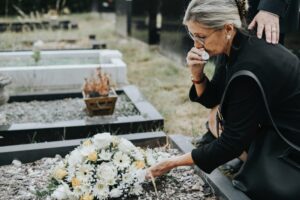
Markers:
point(148, 119)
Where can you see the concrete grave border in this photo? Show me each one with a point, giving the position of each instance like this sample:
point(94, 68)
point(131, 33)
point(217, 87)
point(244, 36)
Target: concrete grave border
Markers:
point(31, 152)
point(148, 120)
point(63, 76)
point(217, 180)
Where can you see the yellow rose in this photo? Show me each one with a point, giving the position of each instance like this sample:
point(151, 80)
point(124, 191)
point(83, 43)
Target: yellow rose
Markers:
point(75, 182)
point(87, 143)
point(139, 164)
point(59, 173)
point(87, 197)
point(92, 156)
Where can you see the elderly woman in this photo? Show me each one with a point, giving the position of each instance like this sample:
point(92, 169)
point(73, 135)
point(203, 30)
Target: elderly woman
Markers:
point(258, 89)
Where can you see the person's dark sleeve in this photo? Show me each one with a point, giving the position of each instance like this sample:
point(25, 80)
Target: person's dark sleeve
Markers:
point(214, 88)
point(243, 112)
point(278, 7)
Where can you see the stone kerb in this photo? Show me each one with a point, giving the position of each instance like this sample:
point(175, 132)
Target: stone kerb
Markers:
point(221, 184)
point(67, 76)
point(104, 54)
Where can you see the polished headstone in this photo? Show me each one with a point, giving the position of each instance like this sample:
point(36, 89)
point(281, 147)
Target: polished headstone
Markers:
point(146, 20)
point(123, 17)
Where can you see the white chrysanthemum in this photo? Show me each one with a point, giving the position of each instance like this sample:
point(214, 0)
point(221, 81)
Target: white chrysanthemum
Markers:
point(105, 155)
point(140, 175)
point(121, 172)
point(60, 164)
point(59, 171)
point(107, 173)
point(132, 167)
point(71, 172)
point(100, 190)
point(84, 173)
point(121, 160)
point(150, 158)
point(127, 179)
point(86, 150)
point(137, 189)
point(62, 192)
point(102, 141)
point(81, 190)
point(136, 165)
point(115, 193)
point(75, 158)
point(125, 146)
point(137, 154)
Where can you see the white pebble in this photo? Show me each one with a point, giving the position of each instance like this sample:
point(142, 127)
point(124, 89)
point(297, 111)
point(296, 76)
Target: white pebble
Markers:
point(16, 163)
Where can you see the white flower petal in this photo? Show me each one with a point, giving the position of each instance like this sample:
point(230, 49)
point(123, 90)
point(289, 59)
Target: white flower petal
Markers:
point(102, 141)
point(61, 192)
point(115, 193)
point(126, 146)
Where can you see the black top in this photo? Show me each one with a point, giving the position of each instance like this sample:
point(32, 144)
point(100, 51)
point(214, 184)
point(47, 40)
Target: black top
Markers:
point(279, 72)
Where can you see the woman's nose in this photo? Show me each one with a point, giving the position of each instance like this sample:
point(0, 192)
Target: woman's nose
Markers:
point(198, 45)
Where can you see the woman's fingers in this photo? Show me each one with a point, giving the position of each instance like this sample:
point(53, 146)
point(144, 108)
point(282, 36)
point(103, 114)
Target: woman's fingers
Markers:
point(155, 171)
point(148, 174)
point(192, 63)
point(151, 172)
point(197, 51)
point(158, 169)
point(194, 58)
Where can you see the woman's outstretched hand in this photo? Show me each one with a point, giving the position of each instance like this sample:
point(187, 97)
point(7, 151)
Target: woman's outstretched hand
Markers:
point(165, 166)
point(159, 169)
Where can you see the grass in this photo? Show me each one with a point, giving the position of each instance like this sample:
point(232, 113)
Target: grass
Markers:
point(164, 82)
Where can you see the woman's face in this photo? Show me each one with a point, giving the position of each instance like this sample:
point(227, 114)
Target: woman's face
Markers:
point(212, 40)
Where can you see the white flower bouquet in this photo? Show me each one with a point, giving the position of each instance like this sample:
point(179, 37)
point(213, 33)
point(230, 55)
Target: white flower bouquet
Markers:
point(102, 167)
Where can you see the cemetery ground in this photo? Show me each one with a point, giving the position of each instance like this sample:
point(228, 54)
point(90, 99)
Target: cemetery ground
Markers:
point(164, 82)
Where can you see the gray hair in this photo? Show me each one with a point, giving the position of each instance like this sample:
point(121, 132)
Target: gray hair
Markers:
point(216, 13)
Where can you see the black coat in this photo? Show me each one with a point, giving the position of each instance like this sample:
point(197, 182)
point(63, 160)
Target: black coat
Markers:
point(279, 72)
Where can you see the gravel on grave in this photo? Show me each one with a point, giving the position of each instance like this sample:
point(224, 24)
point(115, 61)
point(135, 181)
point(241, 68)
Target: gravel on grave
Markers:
point(20, 181)
point(57, 110)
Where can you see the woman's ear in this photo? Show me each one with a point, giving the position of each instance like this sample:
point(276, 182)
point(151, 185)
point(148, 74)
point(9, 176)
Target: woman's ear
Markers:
point(228, 28)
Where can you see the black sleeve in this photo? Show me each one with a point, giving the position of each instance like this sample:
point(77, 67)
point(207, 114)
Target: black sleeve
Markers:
point(214, 88)
point(278, 7)
point(243, 111)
